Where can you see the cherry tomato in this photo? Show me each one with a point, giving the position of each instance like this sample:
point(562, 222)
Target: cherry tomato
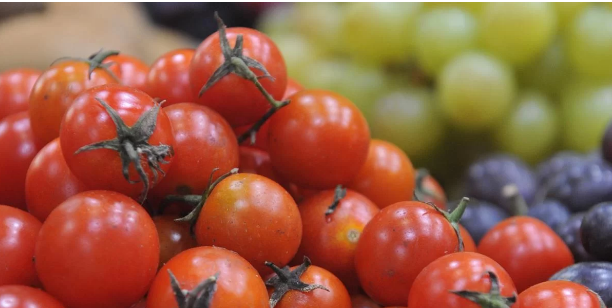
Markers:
point(97, 249)
point(131, 71)
point(292, 88)
point(54, 92)
point(17, 296)
point(253, 216)
point(362, 301)
point(558, 294)
point(387, 176)
point(335, 296)
point(429, 190)
point(319, 140)
point(203, 141)
point(174, 237)
point(15, 88)
point(168, 78)
point(253, 160)
point(468, 242)
point(49, 181)
point(235, 98)
point(17, 150)
point(527, 248)
point(238, 284)
point(397, 244)
point(461, 271)
point(330, 240)
point(18, 233)
point(87, 122)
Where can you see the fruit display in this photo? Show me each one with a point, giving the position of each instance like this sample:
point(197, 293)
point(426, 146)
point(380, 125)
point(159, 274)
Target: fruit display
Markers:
point(362, 155)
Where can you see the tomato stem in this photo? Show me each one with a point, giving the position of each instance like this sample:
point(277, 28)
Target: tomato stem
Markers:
point(519, 205)
point(454, 217)
point(493, 299)
point(339, 193)
point(251, 133)
point(286, 280)
point(199, 297)
point(96, 61)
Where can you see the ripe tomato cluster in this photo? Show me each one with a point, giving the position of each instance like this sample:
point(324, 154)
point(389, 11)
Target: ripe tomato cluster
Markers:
point(212, 180)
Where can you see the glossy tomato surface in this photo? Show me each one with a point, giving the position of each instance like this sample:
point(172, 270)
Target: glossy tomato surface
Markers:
point(174, 237)
point(15, 88)
point(18, 296)
point(558, 294)
point(131, 71)
point(168, 78)
point(18, 234)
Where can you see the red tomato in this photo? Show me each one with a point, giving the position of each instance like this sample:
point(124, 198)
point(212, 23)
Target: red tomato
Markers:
point(468, 242)
point(397, 244)
point(235, 98)
point(330, 240)
point(319, 140)
point(15, 88)
point(253, 216)
point(18, 233)
point(106, 256)
point(292, 88)
point(204, 141)
point(335, 296)
point(49, 181)
point(253, 160)
point(362, 301)
point(140, 304)
point(168, 78)
point(238, 285)
point(527, 248)
point(558, 294)
point(17, 296)
point(387, 176)
point(55, 91)
point(429, 190)
point(17, 150)
point(261, 138)
point(101, 168)
point(461, 271)
point(131, 71)
point(174, 237)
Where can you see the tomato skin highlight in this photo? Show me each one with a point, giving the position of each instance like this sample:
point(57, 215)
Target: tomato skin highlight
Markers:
point(319, 140)
point(396, 245)
point(387, 176)
point(203, 141)
point(457, 272)
point(54, 92)
point(558, 294)
point(15, 88)
point(101, 168)
point(131, 71)
point(238, 285)
point(18, 234)
point(18, 296)
point(168, 78)
point(235, 98)
point(49, 181)
point(254, 216)
point(331, 240)
point(17, 152)
point(101, 233)
point(174, 237)
point(527, 248)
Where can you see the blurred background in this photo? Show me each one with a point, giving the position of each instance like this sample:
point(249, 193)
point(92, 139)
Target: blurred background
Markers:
point(447, 82)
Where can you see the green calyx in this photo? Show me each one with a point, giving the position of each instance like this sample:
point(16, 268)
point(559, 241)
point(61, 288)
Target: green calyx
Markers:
point(454, 217)
point(96, 61)
point(286, 280)
point(339, 193)
point(200, 297)
point(493, 299)
point(132, 144)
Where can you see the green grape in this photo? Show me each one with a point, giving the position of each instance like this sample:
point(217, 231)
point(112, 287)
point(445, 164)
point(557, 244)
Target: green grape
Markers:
point(379, 32)
point(566, 11)
point(589, 42)
point(475, 91)
point(472, 7)
point(409, 119)
point(277, 20)
point(442, 34)
point(361, 84)
point(517, 32)
point(550, 72)
point(586, 111)
point(530, 131)
point(297, 51)
point(320, 22)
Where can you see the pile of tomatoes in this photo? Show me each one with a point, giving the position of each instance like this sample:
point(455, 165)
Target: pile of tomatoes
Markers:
point(212, 180)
